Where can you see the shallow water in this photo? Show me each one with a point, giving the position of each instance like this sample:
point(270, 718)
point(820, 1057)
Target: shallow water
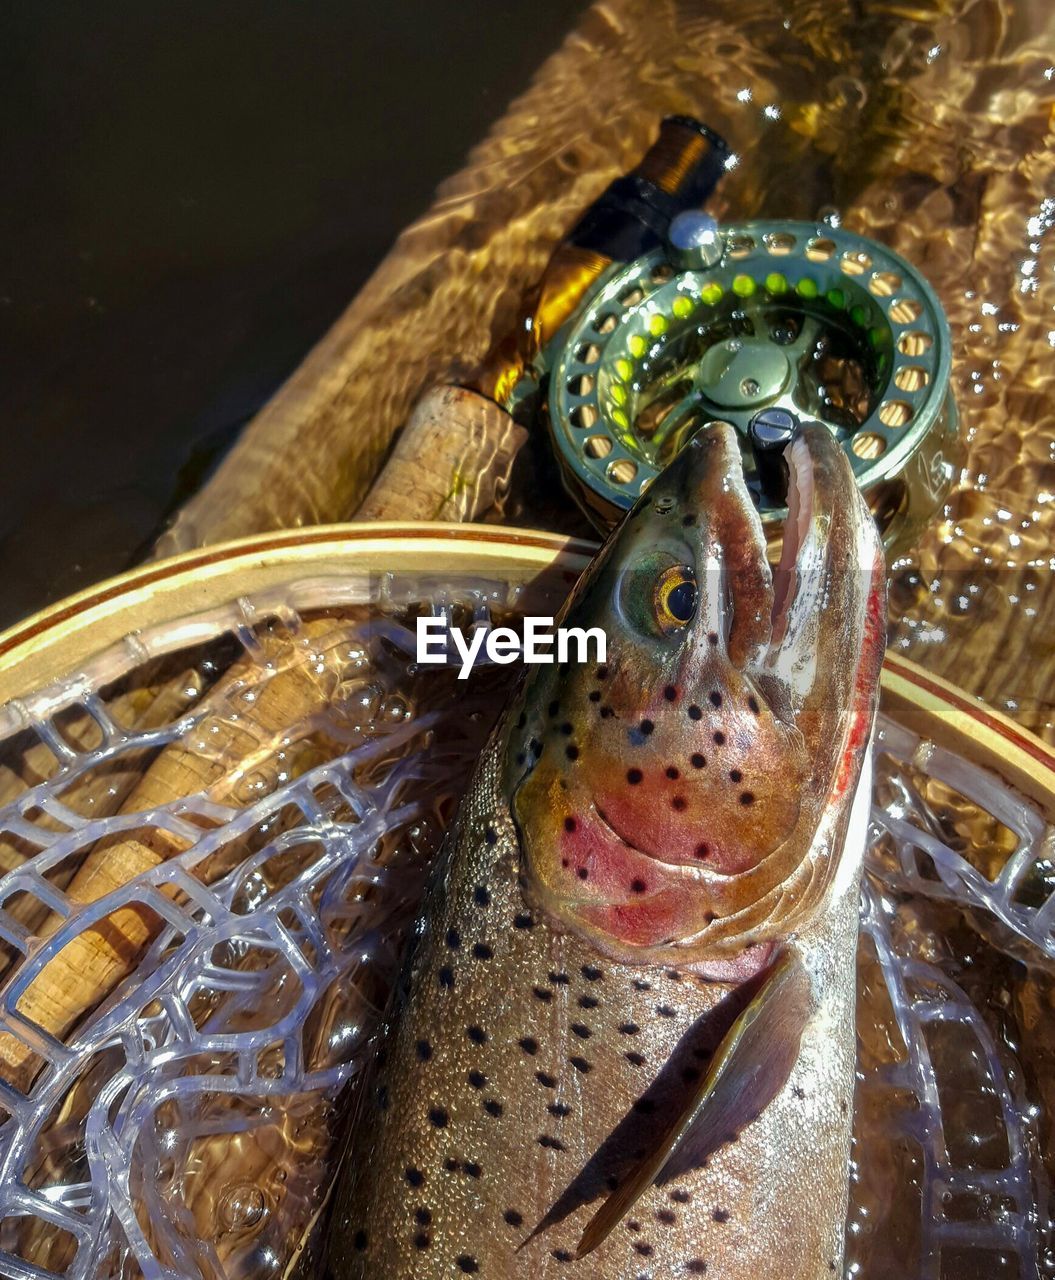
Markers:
point(927, 126)
point(930, 128)
point(311, 835)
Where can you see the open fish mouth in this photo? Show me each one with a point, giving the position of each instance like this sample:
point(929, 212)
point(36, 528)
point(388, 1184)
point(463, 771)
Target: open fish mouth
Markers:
point(688, 794)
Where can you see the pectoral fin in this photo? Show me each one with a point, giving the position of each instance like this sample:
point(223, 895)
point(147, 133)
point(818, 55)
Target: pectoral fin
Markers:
point(748, 1070)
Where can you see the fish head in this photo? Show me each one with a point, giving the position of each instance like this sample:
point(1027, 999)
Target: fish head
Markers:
point(683, 801)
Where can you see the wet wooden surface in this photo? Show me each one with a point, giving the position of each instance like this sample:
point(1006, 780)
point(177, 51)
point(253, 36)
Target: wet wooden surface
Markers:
point(926, 126)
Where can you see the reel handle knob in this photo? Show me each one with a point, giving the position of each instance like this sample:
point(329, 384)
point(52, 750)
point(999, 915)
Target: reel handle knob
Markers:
point(769, 433)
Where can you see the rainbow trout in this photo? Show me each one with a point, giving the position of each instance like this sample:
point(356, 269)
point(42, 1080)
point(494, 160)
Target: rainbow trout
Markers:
point(623, 1044)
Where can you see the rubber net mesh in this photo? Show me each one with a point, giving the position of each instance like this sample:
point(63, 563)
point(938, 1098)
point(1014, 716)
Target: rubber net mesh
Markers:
point(214, 840)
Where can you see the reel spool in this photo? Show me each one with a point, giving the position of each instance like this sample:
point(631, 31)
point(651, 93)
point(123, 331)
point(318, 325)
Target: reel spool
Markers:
point(761, 324)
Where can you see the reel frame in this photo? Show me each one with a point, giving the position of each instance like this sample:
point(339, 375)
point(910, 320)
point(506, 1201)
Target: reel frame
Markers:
point(904, 453)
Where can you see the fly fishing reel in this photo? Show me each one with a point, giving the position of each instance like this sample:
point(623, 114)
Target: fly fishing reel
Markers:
point(763, 325)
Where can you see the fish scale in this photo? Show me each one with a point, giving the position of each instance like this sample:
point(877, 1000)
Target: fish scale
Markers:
point(487, 1180)
point(623, 1043)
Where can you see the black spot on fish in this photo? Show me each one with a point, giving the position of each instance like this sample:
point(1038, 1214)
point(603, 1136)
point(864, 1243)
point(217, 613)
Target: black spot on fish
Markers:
point(546, 1080)
point(477, 1079)
point(696, 1267)
point(535, 747)
point(559, 979)
point(424, 1050)
point(594, 695)
point(481, 896)
point(602, 673)
point(680, 1196)
point(582, 873)
point(468, 1264)
point(638, 886)
point(752, 702)
point(422, 1240)
point(438, 1117)
point(679, 803)
point(719, 737)
point(482, 951)
point(799, 1091)
point(454, 939)
point(476, 1034)
point(747, 797)
point(570, 824)
point(688, 520)
point(720, 1215)
point(552, 1144)
point(634, 776)
point(422, 1216)
point(643, 1248)
point(715, 697)
point(414, 1176)
point(562, 1255)
point(591, 974)
point(559, 1109)
point(703, 850)
point(523, 921)
point(529, 1044)
point(670, 693)
point(588, 1002)
point(697, 761)
point(672, 773)
point(572, 751)
point(491, 835)
point(446, 977)
point(541, 993)
point(695, 712)
point(583, 1032)
point(451, 1165)
point(646, 727)
point(607, 713)
point(641, 985)
point(493, 1107)
point(712, 636)
point(514, 1218)
point(665, 1011)
point(567, 728)
point(580, 1064)
point(629, 1029)
point(735, 775)
point(472, 1170)
point(667, 1216)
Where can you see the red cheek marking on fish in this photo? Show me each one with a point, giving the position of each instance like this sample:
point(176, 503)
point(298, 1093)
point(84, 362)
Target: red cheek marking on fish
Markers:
point(613, 870)
point(649, 923)
point(672, 821)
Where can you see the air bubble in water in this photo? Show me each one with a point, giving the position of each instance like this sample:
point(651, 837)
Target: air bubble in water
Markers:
point(242, 1207)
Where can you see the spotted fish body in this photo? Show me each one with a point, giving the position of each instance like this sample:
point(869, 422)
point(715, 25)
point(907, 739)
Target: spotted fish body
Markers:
point(623, 1046)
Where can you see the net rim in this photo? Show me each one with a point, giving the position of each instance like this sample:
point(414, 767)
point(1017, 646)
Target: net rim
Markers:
point(59, 639)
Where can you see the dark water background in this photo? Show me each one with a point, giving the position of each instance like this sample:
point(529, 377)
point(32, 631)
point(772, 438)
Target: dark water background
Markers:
point(192, 192)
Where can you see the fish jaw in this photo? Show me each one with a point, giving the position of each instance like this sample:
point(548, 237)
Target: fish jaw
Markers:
point(684, 803)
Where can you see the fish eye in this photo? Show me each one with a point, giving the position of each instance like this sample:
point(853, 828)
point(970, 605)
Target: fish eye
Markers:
point(675, 597)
